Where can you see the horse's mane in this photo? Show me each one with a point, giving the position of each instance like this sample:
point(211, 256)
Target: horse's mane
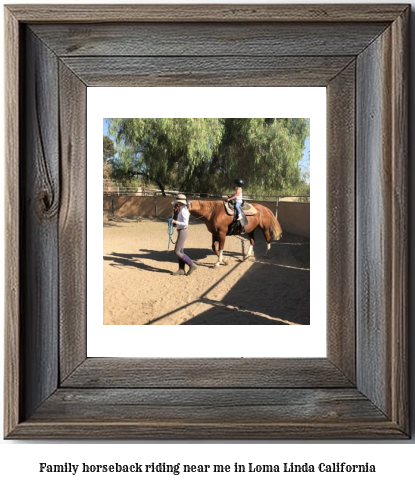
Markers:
point(205, 205)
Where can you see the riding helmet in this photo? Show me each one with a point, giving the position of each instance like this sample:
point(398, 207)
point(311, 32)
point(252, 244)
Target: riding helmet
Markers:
point(238, 182)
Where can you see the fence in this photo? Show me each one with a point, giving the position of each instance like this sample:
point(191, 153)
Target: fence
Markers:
point(110, 187)
point(294, 216)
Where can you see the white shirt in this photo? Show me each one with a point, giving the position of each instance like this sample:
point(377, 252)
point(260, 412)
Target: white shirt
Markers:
point(183, 218)
point(239, 197)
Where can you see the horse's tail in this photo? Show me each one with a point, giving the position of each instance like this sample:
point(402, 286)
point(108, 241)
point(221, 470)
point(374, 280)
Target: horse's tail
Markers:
point(274, 225)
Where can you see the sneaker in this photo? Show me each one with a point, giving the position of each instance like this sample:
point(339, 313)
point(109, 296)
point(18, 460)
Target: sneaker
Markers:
point(193, 267)
point(178, 272)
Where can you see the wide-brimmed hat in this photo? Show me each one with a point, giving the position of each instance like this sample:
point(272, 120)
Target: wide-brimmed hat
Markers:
point(180, 199)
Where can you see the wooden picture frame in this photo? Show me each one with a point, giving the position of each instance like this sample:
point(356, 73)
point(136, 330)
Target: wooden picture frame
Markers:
point(360, 53)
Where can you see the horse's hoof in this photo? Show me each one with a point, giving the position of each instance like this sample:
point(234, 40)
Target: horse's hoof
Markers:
point(266, 256)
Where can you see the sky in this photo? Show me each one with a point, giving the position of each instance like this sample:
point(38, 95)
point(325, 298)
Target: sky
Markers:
point(305, 161)
point(105, 127)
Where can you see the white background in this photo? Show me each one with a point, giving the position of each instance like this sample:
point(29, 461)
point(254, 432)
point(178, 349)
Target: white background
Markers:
point(19, 461)
point(306, 340)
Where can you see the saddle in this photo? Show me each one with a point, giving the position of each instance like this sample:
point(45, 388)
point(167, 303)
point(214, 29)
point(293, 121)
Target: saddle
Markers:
point(237, 226)
point(246, 208)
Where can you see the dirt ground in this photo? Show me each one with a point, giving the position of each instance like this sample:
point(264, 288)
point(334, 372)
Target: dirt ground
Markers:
point(139, 288)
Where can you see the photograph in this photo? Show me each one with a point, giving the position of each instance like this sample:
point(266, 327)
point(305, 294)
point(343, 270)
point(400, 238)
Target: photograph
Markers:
point(206, 221)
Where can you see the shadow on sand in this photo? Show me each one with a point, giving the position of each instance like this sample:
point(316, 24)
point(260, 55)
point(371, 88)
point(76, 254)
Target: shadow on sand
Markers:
point(265, 294)
point(139, 260)
point(272, 291)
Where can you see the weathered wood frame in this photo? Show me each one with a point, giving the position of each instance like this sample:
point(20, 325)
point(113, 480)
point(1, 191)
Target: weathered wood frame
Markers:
point(359, 52)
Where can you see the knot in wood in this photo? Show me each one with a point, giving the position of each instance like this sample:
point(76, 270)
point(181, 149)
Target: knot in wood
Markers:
point(46, 204)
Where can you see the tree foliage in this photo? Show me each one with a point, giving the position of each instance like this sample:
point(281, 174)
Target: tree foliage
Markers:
point(109, 149)
point(205, 155)
point(108, 156)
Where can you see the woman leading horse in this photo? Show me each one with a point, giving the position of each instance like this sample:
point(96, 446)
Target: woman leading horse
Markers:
point(217, 221)
point(181, 220)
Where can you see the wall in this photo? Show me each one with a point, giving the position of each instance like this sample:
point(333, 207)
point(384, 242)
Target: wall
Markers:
point(294, 217)
point(132, 207)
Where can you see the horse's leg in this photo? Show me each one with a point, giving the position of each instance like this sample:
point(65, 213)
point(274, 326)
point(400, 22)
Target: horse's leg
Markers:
point(215, 245)
point(267, 235)
point(251, 244)
point(222, 238)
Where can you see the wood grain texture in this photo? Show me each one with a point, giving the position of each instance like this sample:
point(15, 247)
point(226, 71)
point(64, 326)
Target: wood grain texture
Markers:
point(373, 222)
point(373, 225)
point(181, 39)
point(400, 233)
point(206, 373)
point(213, 431)
point(52, 390)
point(72, 222)
point(207, 71)
point(207, 13)
point(13, 383)
point(39, 258)
point(209, 405)
point(382, 223)
point(341, 235)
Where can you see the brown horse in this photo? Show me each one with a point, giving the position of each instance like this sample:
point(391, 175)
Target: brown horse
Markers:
point(217, 221)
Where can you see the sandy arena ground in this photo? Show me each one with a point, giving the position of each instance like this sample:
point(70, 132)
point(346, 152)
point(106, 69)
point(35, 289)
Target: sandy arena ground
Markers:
point(139, 288)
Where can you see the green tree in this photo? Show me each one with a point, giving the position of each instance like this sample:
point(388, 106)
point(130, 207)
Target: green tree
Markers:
point(124, 166)
point(205, 155)
point(167, 152)
point(264, 153)
point(108, 156)
point(109, 149)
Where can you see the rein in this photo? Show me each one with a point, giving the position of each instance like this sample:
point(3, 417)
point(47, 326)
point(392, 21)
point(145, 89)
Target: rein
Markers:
point(170, 230)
